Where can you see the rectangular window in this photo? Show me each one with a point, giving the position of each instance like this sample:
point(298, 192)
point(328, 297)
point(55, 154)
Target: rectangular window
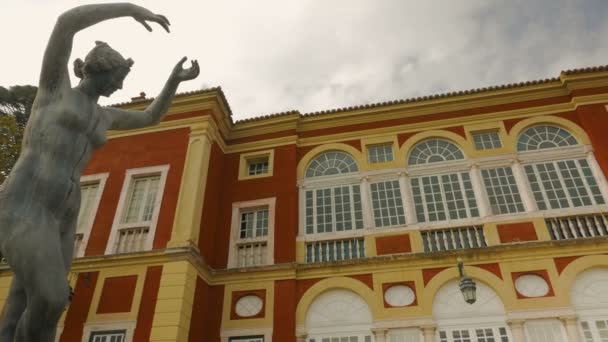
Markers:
point(474, 335)
point(139, 204)
point(108, 336)
point(333, 209)
point(380, 154)
point(387, 204)
point(563, 184)
point(502, 191)
point(247, 339)
point(544, 331)
point(405, 335)
point(486, 140)
point(141, 200)
point(257, 167)
point(595, 330)
point(444, 197)
point(254, 223)
point(88, 194)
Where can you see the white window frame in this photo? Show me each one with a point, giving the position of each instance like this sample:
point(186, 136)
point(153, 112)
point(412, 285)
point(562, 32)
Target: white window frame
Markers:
point(130, 175)
point(562, 330)
point(517, 193)
point(235, 230)
point(92, 327)
point(484, 148)
point(404, 331)
point(371, 147)
point(227, 334)
point(100, 179)
point(387, 208)
point(564, 154)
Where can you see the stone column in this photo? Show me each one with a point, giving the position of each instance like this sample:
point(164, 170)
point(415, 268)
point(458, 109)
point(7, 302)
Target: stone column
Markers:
point(598, 174)
point(480, 196)
point(186, 224)
point(368, 218)
point(428, 331)
point(379, 334)
point(408, 201)
point(571, 324)
point(522, 185)
point(517, 330)
point(173, 310)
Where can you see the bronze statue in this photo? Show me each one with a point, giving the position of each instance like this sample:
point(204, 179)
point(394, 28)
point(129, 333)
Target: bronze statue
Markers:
point(40, 199)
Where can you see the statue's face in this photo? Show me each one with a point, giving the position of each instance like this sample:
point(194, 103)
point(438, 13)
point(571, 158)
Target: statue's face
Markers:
point(111, 81)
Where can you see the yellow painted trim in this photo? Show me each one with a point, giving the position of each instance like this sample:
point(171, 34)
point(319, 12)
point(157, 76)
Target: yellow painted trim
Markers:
point(301, 251)
point(579, 133)
point(497, 126)
point(173, 310)
point(246, 157)
point(335, 283)
point(490, 232)
point(367, 142)
point(262, 144)
point(430, 290)
point(249, 323)
point(442, 134)
point(444, 123)
point(308, 157)
point(186, 223)
point(542, 231)
point(557, 301)
point(416, 241)
point(398, 313)
point(369, 243)
point(140, 272)
point(5, 286)
point(568, 276)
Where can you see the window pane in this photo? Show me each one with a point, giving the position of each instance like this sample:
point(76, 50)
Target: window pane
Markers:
point(502, 191)
point(141, 199)
point(387, 204)
point(544, 136)
point(438, 198)
point(257, 167)
point(88, 193)
point(487, 140)
point(380, 154)
point(434, 150)
point(333, 209)
point(331, 163)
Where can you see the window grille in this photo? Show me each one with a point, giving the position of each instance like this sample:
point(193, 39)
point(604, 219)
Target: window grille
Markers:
point(444, 197)
point(380, 154)
point(387, 204)
point(486, 140)
point(577, 227)
point(434, 150)
point(331, 163)
point(257, 167)
point(335, 250)
point(333, 209)
point(502, 191)
point(544, 136)
point(453, 238)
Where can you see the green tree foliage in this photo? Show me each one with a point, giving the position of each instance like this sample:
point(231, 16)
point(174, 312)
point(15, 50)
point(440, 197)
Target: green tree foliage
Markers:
point(15, 107)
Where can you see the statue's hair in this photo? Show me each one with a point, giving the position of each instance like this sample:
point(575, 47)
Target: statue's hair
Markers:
point(101, 58)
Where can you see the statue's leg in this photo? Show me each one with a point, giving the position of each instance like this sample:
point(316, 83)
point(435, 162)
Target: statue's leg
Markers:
point(40, 266)
point(13, 309)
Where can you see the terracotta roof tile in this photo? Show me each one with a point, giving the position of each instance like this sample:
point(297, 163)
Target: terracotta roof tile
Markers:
point(187, 93)
point(268, 116)
point(585, 70)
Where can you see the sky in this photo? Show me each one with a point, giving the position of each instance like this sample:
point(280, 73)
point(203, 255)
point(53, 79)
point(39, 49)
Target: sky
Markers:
point(271, 56)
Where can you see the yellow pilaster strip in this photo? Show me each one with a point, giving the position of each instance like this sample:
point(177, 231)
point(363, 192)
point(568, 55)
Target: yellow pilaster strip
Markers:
point(5, 286)
point(370, 246)
point(490, 231)
point(174, 304)
point(416, 242)
point(541, 229)
point(192, 190)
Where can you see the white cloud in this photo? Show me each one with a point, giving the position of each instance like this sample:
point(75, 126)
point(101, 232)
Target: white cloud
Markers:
point(271, 56)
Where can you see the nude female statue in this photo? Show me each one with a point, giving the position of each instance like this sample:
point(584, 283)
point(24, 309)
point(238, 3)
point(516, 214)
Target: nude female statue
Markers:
point(40, 199)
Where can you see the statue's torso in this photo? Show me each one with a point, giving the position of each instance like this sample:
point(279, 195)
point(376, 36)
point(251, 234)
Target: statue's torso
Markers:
point(62, 132)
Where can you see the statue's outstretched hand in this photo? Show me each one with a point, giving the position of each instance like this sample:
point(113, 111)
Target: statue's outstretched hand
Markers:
point(142, 15)
point(180, 74)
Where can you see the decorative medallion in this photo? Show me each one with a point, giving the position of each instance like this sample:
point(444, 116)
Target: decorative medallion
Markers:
point(249, 306)
point(531, 285)
point(399, 295)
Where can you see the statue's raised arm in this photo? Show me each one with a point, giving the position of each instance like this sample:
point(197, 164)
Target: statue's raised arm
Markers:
point(54, 72)
point(40, 199)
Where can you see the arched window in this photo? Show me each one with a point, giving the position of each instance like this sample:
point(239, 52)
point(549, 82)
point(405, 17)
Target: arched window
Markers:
point(434, 151)
point(590, 301)
point(561, 183)
point(444, 196)
point(330, 207)
point(331, 163)
point(339, 315)
point(457, 321)
point(544, 136)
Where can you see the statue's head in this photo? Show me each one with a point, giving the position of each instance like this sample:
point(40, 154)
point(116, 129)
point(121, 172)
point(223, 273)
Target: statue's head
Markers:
point(104, 67)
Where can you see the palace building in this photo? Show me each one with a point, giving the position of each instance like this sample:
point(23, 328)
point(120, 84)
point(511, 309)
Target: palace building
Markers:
point(347, 225)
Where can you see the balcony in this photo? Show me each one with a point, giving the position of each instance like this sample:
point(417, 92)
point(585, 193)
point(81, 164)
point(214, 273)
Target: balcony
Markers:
point(131, 240)
point(251, 253)
point(453, 238)
point(335, 250)
point(577, 227)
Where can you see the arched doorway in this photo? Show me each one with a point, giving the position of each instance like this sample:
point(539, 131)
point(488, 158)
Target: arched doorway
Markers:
point(458, 321)
point(339, 316)
point(590, 300)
